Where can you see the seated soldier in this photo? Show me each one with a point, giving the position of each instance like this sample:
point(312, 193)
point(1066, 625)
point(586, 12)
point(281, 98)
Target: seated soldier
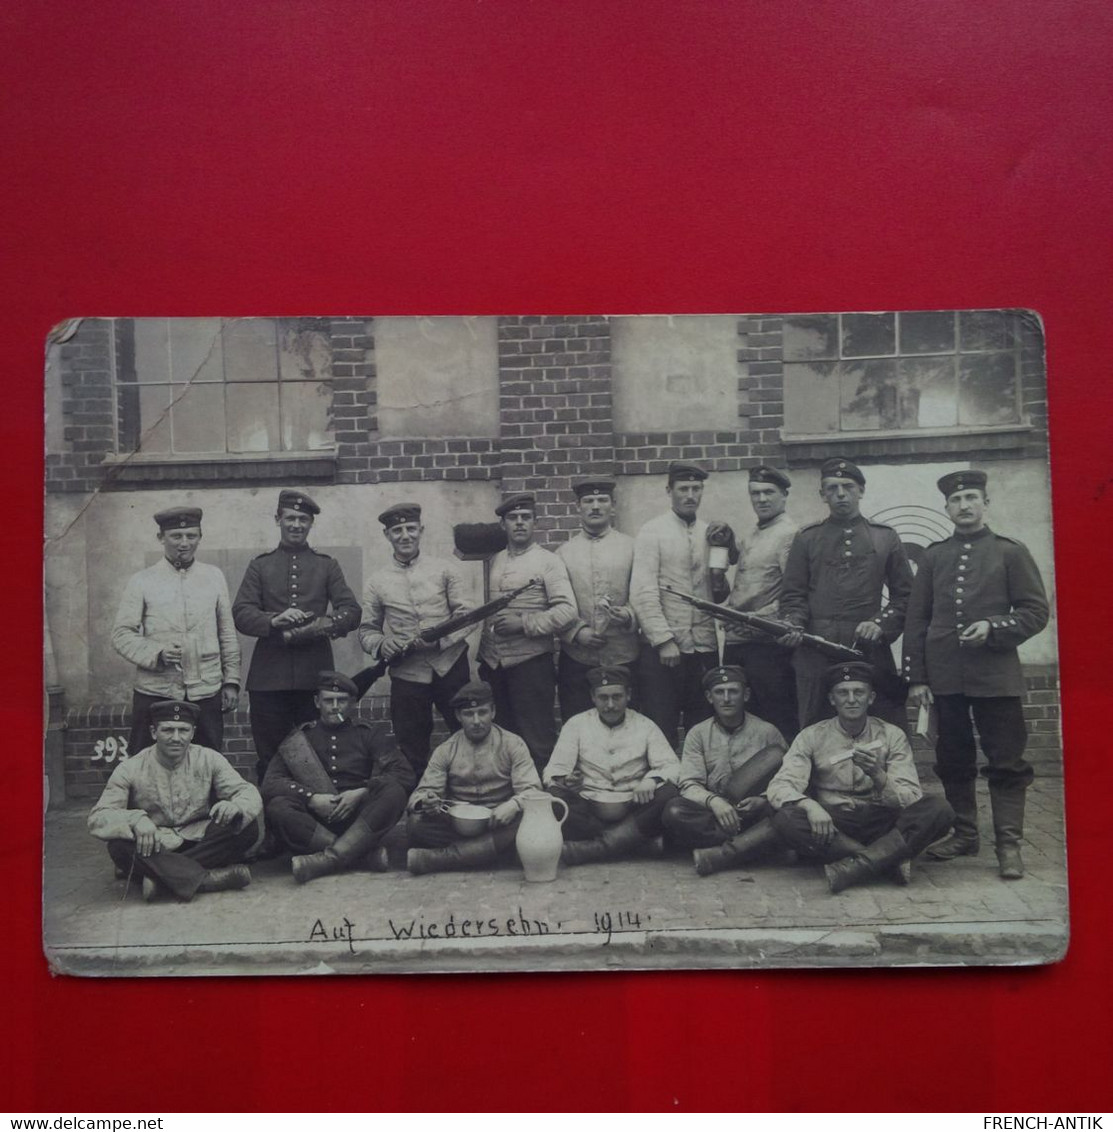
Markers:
point(611, 750)
point(482, 764)
point(177, 814)
point(848, 794)
point(727, 763)
point(335, 787)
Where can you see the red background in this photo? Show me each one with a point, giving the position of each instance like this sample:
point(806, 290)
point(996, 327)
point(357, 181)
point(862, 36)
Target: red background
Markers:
point(327, 157)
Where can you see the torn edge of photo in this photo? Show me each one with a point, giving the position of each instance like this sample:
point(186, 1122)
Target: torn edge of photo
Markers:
point(550, 643)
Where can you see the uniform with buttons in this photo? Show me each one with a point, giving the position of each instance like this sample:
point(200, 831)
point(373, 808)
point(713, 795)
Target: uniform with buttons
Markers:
point(833, 581)
point(282, 677)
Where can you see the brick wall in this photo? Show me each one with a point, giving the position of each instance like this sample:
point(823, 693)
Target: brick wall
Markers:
point(88, 411)
point(555, 415)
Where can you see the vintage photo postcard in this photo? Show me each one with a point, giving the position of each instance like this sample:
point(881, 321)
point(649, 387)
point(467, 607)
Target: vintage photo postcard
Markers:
point(550, 643)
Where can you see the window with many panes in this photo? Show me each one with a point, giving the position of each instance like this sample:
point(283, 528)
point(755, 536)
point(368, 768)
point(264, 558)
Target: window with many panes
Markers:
point(901, 371)
point(202, 387)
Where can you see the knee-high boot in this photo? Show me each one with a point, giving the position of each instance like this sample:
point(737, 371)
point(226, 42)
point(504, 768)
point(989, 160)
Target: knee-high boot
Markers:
point(1008, 827)
point(346, 851)
point(468, 853)
point(740, 848)
point(963, 840)
point(873, 861)
point(615, 841)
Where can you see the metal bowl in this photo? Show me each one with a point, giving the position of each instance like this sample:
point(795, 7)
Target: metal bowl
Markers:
point(610, 805)
point(469, 820)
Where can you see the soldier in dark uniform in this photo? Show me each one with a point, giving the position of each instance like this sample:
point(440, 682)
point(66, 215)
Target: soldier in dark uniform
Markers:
point(977, 596)
point(832, 587)
point(336, 787)
point(284, 600)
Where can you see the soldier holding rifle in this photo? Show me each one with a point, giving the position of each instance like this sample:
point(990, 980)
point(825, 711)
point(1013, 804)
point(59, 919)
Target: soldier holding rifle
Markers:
point(833, 583)
point(412, 593)
point(763, 554)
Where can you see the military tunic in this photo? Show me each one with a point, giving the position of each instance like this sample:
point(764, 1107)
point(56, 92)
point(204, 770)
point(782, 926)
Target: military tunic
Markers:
point(833, 581)
point(961, 580)
point(300, 578)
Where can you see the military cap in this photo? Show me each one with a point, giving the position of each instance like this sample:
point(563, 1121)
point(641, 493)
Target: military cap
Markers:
point(400, 513)
point(177, 518)
point(848, 670)
point(845, 469)
point(175, 711)
point(960, 481)
point(297, 501)
point(608, 674)
point(336, 682)
point(523, 501)
point(475, 693)
point(765, 474)
point(723, 674)
point(680, 470)
point(593, 487)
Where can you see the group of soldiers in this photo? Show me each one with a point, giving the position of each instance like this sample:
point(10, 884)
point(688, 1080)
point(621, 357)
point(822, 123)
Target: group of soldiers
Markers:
point(782, 750)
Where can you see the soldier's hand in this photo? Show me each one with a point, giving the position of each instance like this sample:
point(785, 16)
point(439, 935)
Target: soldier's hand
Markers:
point(645, 790)
point(669, 654)
point(419, 644)
point(791, 639)
point(754, 806)
point(868, 631)
point(321, 806)
point(870, 763)
point(146, 834)
point(974, 636)
point(393, 646)
point(505, 812)
point(919, 695)
point(819, 822)
point(172, 654)
point(725, 814)
point(290, 617)
point(590, 639)
point(507, 624)
point(224, 812)
point(229, 698)
point(347, 802)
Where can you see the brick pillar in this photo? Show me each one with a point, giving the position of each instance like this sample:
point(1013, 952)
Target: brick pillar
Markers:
point(761, 402)
point(355, 419)
point(556, 421)
point(89, 427)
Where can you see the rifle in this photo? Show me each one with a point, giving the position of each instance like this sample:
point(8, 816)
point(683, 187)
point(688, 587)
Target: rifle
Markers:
point(768, 625)
point(368, 676)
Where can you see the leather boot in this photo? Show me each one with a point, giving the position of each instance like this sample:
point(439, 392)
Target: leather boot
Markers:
point(742, 847)
point(618, 840)
point(873, 861)
point(841, 846)
point(310, 866)
point(1008, 828)
point(469, 853)
point(963, 840)
point(226, 879)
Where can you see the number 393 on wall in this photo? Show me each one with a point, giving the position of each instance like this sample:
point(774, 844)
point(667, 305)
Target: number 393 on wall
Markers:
point(109, 750)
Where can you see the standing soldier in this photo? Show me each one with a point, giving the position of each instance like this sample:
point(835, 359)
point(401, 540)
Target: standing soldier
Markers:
point(763, 555)
point(410, 594)
point(284, 600)
point(977, 596)
point(680, 641)
point(175, 625)
point(516, 651)
point(599, 560)
point(832, 587)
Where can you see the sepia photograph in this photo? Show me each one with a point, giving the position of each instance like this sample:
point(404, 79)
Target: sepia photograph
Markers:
point(542, 643)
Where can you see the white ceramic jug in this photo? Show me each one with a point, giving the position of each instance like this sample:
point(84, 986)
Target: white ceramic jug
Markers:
point(539, 839)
